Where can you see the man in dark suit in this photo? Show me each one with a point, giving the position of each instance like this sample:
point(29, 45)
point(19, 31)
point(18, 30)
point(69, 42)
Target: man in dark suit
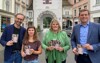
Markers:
point(86, 34)
point(12, 40)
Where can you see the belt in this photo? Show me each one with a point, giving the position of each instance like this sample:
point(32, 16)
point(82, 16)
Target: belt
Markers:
point(15, 51)
point(84, 54)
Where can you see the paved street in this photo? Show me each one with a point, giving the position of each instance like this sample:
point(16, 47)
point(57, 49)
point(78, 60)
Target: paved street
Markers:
point(1, 54)
point(70, 58)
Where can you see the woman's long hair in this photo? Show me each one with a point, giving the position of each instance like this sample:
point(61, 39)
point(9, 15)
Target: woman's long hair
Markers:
point(26, 37)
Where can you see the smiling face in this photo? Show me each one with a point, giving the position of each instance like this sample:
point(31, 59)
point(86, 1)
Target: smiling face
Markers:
point(19, 19)
point(31, 32)
point(84, 17)
point(55, 26)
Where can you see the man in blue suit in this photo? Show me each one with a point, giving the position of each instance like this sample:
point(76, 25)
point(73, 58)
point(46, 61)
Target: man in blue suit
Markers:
point(12, 40)
point(86, 34)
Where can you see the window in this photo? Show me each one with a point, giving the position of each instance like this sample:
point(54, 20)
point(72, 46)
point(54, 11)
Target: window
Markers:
point(4, 22)
point(66, 13)
point(23, 10)
point(69, 23)
point(97, 1)
point(74, 1)
point(17, 8)
point(27, 2)
point(7, 5)
point(30, 14)
point(85, 7)
point(74, 12)
point(79, 0)
point(47, 2)
point(79, 9)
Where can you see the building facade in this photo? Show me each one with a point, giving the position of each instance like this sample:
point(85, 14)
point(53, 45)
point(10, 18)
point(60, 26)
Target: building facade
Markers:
point(95, 10)
point(67, 14)
point(78, 5)
point(21, 7)
point(8, 9)
point(30, 13)
point(6, 13)
point(45, 10)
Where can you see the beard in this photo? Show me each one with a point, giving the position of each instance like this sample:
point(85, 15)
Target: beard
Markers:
point(18, 23)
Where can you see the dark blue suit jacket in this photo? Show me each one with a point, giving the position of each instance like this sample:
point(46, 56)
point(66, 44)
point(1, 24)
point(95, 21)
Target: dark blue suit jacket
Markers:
point(93, 39)
point(6, 36)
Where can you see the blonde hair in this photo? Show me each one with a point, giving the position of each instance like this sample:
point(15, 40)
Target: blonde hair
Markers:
point(55, 20)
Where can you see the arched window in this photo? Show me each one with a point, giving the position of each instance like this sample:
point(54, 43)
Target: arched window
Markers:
point(7, 5)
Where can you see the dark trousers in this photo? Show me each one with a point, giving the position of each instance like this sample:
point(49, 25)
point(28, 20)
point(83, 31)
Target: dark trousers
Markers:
point(83, 59)
point(55, 61)
point(15, 58)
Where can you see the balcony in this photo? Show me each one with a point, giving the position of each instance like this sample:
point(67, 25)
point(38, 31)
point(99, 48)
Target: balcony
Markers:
point(67, 16)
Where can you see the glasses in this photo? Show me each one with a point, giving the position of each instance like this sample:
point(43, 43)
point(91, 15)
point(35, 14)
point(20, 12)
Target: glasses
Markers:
point(19, 19)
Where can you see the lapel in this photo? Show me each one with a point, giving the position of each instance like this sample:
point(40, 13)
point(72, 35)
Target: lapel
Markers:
point(89, 31)
point(12, 29)
point(78, 33)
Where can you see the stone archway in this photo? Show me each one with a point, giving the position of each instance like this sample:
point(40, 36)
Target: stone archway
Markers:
point(68, 23)
point(44, 19)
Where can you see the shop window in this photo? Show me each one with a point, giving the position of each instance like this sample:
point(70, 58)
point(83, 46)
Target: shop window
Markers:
point(4, 22)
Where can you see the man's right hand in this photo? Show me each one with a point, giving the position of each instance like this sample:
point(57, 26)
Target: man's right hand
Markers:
point(9, 43)
point(75, 51)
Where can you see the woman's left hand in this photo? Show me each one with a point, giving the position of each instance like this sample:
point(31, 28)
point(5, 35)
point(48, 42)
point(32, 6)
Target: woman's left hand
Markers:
point(31, 51)
point(60, 49)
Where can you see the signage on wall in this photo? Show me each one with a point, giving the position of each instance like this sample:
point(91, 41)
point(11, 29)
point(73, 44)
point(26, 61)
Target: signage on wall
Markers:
point(47, 2)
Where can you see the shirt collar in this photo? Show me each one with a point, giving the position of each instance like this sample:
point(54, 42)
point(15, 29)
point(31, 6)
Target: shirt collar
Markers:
point(85, 25)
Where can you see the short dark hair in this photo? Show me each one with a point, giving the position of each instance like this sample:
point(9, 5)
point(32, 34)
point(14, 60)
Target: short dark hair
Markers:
point(84, 10)
point(20, 14)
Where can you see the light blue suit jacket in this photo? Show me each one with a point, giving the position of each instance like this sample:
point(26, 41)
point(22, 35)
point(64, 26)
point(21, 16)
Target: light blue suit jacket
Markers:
point(93, 39)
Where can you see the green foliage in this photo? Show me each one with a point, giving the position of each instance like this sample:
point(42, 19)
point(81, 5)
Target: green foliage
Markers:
point(38, 28)
point(46, 22)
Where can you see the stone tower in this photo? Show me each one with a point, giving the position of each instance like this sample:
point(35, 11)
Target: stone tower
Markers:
point(46, 8)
